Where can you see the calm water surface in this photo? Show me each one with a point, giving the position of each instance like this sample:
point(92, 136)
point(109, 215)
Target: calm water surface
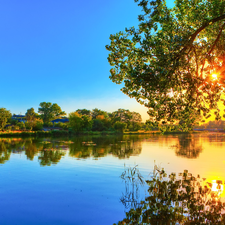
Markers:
point(77, 181)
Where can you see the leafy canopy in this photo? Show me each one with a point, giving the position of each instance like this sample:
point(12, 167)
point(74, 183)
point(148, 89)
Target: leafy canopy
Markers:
point(31, 115)
point(5, 115)
point(168, 61)
point(49, 111)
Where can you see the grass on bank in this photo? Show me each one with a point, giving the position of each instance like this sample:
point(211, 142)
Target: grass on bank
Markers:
point(56, 133)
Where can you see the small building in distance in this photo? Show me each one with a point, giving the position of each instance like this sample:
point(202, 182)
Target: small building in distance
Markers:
point(19, 118)
point(63, 120)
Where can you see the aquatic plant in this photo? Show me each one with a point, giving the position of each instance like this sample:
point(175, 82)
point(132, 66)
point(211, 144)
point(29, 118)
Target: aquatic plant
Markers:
point(183, 199)
point(133, 179)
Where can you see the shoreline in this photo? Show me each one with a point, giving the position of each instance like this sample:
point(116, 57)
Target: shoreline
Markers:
point(57, 133)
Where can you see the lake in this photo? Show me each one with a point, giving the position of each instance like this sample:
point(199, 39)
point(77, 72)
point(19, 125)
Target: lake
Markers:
point(77, 180)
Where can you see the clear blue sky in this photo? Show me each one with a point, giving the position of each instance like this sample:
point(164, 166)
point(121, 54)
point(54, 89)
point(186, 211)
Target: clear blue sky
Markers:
point(54, 51)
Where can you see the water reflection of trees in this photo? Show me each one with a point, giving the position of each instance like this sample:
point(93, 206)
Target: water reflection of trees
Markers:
point(124, 146)
point(9, 145)
point(172, 199)
point(31, 148)
point(188, 146)
point(49, 157)
point(50, 151)
point(125, 149)
point(4, 154)
point(84, 147)
point(96, 147)
point(215, 138)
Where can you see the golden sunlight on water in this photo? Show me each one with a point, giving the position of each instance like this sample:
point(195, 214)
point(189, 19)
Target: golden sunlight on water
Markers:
point(199, 154)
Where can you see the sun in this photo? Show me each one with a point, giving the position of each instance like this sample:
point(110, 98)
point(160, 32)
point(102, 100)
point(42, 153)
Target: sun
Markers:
point(214, 76)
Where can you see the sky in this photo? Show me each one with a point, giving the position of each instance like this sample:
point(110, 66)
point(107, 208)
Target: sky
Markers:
point(54, 51)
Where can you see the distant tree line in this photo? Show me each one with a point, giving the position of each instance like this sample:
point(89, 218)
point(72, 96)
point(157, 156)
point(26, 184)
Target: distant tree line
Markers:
point(217, 124)
point(78, 121)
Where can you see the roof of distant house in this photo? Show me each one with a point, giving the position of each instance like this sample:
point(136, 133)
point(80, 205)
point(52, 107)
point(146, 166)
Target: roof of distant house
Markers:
point(64, 120)
point(18, 116)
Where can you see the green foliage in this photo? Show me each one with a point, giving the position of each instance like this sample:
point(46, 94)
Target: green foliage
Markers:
point(75, 121)
point(21, 125)
point(31, 115)
point(28, 125)
point(132, 119)
point(175, 200)
point(61, 125)
point(98, 112)
point(98, 125)
point(12, 121)
point(84, 112)
point(167, 61)
point(49, 111)
point(38, 125)
point(87, 122)
point(5, 115)
point(32, 120)
point(48, 124)
point(15, 127)
point(120, 126)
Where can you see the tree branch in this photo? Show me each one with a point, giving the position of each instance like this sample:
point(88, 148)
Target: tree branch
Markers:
point(194, 35)
point(214, 44)
point(217, 39)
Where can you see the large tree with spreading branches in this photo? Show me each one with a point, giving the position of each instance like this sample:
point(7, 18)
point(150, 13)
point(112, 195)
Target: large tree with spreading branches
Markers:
point(174, 61)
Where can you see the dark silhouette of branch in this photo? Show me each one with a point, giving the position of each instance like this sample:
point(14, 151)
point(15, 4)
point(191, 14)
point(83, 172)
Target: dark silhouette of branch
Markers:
point(217, 39)
point(194, 35)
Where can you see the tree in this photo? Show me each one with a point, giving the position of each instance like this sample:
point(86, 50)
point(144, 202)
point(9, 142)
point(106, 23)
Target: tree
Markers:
point(101, 120)
point(5, 115)
point(31, 117)
point(49, 111)
point(121, 115)
point(75, 121)
point(132, 119)
point(80, 122)
point(86, 116)
point(98, 112)
point(174, 62)
point(38, 125)
point(21, 125)
point(84, 112)
point(87, 122)
point(120, 126)
point(98, 125)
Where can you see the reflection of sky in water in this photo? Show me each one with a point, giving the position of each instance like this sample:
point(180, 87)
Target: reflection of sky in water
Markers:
point(87, 190)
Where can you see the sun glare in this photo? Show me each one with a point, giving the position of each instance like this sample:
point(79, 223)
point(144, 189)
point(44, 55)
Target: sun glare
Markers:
point(214, 76)
point(217, 186)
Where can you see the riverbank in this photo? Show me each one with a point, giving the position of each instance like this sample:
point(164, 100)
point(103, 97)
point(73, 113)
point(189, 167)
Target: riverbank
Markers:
point(54, 133)
point(57, 133)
